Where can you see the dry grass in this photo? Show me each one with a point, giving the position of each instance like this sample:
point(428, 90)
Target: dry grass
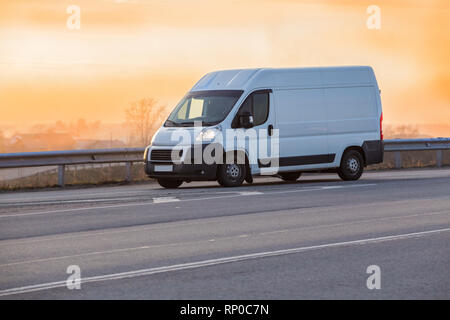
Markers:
point(412, 159)
point(77, 175)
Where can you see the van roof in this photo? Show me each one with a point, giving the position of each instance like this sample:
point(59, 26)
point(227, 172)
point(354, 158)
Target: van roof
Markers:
point(249, 79)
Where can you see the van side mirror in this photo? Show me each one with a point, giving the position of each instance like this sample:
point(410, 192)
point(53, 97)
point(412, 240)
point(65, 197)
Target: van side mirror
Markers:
point(246, 120)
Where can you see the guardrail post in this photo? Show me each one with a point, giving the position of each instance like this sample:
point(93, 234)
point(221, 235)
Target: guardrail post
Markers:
point(128, 171)
point(439, 158)
point(398, 159)
point(61, 171)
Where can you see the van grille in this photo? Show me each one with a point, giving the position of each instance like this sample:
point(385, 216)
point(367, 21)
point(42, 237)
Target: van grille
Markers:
point(164, 155)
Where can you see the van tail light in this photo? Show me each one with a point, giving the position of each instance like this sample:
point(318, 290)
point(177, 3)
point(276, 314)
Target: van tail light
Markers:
point(381, 127)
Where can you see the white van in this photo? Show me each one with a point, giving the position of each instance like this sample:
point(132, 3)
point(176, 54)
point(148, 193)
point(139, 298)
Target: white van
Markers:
point(309, 119)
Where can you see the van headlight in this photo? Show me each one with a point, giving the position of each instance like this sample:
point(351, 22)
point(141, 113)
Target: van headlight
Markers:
point(207, 134)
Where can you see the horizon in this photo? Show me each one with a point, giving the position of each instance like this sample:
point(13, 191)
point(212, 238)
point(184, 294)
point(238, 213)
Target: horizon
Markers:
point(125, 51)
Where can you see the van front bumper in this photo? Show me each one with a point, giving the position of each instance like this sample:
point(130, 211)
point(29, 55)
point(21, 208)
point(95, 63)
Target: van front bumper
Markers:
point(192, 172)
point(185, 168)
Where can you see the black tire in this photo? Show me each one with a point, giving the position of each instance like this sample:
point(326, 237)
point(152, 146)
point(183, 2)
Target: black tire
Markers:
point(352, 166)
point(231, 175)
point(169, 183)
point(290, 176)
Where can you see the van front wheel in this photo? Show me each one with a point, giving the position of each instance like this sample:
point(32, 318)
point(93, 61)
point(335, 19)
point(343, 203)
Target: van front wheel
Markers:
point(169, 183)
point(352, 166)
point(231, 175)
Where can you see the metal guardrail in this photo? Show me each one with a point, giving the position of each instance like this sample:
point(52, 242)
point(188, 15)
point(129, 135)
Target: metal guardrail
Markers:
point(416, 144)
point(72, 157)
point(131, 155)
point(399, 145)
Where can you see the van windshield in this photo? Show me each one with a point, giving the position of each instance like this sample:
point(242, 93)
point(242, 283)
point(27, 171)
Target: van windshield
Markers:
point(208, 107)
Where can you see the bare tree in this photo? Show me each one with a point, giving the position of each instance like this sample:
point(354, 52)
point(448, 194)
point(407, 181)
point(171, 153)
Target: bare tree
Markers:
point(143, 117)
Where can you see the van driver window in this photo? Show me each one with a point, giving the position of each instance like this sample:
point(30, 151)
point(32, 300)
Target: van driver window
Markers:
point(258, 105)
point(247, 105)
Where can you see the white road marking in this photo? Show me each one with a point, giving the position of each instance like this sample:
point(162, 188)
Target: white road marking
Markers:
point(212, 262)
point(323, 188)
point(64, 201)
point(10, 243)
point(129, 193)
point(73, 210)
point(80, 255)
point(182, 200)
point(249, 193)
point(165, 199)
point(66, 194)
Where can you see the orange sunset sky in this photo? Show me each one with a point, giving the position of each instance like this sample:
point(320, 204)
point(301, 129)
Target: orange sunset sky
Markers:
point(128, 50)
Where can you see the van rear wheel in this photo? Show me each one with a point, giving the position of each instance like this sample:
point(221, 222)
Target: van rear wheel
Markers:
point(352, 166)
point(290, 176)
point(231, 175)
point(169, 183)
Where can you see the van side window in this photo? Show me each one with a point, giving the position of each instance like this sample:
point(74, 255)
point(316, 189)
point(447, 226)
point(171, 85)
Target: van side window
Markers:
point(258, 105)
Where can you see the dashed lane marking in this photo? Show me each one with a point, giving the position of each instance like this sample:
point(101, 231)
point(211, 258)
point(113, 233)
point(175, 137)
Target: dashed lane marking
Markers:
point(238, 194)
point(165, 199)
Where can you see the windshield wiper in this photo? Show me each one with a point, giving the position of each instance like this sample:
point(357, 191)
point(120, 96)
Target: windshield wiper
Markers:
point(207, 124)
point(186, 124)
point(170, 123)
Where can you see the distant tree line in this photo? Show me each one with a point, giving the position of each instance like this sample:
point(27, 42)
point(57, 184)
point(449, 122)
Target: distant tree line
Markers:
point(402, 132)
point(78, 128)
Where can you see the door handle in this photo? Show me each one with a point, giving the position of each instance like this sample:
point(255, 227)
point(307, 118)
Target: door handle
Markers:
point(270, 129)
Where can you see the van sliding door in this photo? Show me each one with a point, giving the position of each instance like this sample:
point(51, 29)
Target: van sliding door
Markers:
point(301, 119)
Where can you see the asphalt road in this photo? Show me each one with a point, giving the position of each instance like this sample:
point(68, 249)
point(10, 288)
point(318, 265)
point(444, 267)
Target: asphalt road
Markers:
point(312, 239)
